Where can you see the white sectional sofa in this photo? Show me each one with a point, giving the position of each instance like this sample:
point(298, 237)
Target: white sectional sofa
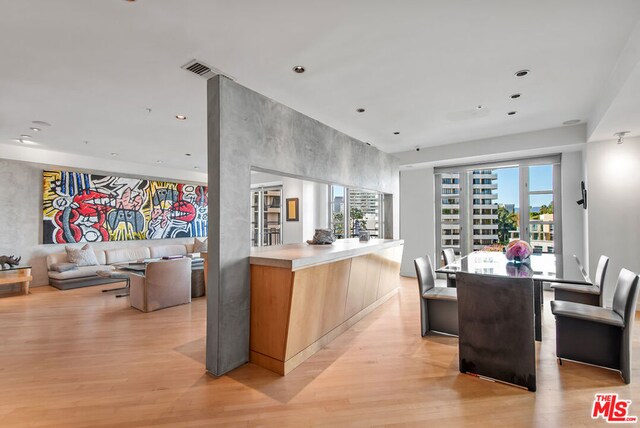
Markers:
point(84, 276)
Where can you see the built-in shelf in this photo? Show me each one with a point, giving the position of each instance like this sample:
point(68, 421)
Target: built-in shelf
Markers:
point(266, 210)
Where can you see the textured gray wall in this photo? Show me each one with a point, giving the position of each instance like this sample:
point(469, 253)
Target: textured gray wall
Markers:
point(246, 129)
point(21, 218)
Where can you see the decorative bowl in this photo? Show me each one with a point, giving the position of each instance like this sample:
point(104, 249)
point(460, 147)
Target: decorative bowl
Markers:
point(518, 251)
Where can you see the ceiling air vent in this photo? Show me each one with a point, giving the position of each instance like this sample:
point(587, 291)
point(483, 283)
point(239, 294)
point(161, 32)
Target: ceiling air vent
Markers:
point(203, 70)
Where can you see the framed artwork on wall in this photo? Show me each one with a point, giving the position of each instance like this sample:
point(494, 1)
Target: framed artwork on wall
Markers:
point(293, 209)
point(86, 207)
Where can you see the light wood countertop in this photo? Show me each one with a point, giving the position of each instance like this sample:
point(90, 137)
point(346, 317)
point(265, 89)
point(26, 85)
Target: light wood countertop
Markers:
point(300, 256)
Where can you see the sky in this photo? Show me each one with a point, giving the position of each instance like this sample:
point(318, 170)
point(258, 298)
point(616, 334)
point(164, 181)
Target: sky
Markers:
point(540, 178)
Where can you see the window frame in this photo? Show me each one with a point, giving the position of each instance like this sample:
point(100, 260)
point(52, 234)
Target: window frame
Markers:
point(466, 197)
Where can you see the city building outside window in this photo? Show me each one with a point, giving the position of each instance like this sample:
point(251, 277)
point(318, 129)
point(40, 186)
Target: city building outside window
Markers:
point(498, 204)
point(354, 211)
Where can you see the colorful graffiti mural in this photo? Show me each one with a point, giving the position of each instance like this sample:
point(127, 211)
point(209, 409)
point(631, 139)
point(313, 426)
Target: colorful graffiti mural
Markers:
point(80, 207)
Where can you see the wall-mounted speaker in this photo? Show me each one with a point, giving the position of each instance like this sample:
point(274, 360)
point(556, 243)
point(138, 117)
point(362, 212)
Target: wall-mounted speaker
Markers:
point(583, 201)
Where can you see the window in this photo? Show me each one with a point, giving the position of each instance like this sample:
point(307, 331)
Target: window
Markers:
point(541, 216)
point(337, 220)
point(485, 209)
point(364, 213)
point(450, 212)
point(354, 210)
point(495, 204)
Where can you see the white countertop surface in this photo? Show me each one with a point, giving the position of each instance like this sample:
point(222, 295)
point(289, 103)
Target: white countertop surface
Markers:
point(299, 256)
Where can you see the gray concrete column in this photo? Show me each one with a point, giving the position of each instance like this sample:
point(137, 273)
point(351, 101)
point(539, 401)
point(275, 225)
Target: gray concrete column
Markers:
point(245, 130)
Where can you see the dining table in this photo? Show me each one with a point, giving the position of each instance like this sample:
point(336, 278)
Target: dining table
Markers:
point(541, 267)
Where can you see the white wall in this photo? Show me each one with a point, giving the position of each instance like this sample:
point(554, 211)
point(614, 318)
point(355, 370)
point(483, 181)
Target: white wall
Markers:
point(292, 232)
point(417, 217)
point(264, 179)
point(315, 208)
point(574, 217)
point(113, 166)
point(613, 185)
point(526, 144)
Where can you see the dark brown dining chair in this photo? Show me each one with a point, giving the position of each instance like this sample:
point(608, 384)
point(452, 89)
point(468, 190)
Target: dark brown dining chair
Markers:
point(449, 256)
point(497, 328)
point(596, 335)
point(583, 271)
point(438, 305)
point(580, 293)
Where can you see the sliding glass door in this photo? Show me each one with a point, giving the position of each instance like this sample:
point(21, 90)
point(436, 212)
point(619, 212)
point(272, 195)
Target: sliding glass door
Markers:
point(485, 206)
point(541, 208)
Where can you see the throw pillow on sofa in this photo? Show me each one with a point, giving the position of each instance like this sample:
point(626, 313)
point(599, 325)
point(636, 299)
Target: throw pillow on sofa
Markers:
point(199, 246)
point(63, 267)
point(82, 256)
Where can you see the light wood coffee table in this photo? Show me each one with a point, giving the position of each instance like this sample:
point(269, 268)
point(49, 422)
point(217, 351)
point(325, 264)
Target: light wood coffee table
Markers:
point(17, 275)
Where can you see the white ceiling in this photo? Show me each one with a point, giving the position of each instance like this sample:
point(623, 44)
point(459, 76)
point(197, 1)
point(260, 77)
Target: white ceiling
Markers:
point(618, 108)
point(623, 114)
point(92, 67)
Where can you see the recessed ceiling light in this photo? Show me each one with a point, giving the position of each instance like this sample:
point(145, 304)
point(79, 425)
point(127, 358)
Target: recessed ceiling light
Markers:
point(571, 122)
point(522, 73)
point(158, 161)
point(196, 167)
point(299, 69)
point(479, 107)
point(41, 123)
point(360, 110)
point(511, 113)
point(187, 154)
point(25, 136)
point(114, 154)
point(29, 142)
point(35, 129)
point(396, 133)
point(181, 117)
point(514, 96)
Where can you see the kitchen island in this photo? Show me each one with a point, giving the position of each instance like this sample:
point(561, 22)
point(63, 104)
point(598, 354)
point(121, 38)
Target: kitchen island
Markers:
point(304, 296)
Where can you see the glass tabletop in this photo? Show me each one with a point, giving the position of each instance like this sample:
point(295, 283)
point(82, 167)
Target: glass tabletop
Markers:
point(141, 265)
point(542, 267)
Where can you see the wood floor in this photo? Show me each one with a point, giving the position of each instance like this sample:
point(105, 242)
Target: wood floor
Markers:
point(84, 358)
